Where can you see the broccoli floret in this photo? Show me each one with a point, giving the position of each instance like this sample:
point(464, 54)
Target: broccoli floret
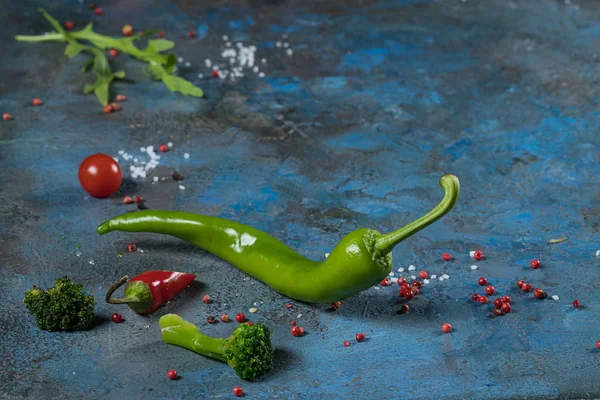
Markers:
point(248, 350)
point(64, 307)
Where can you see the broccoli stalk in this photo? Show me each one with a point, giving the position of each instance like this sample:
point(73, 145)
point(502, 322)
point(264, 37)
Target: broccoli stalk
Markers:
point(248, 350)
point(64, 307)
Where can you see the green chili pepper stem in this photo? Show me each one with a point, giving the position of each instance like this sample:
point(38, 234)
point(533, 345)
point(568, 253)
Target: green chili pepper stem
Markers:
point(385, 243)
point(179, 332)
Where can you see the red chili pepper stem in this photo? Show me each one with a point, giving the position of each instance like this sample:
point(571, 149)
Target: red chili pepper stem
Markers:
point(137, 295)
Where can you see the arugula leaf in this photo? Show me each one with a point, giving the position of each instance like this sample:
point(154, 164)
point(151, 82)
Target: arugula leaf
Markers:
point(178, 84)
point(159, 45)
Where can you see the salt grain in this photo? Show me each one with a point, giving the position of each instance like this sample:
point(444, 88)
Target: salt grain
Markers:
point(181, 187)
point(473, 267)
point(555, 297)
point(225, 37)
point(426, 281)
point(286, 45)
point(253, 310)
point(400, 269)
point(289, 52)
point(155, 179)
point(170, 144)
point(394, 280)
point(299, 315)
point(326, 255)
point(441, 278)
point(263, 60)
point(180, 59)
point(143, 149)
point(597, 253)
point(446, 276)
point(391, 274)
point(208, 63)
point(123, 152)
point(188, 64)
point(471, 253)
point(376, 287)
point(413, 277)
point(261, 75)
point(411, 268)
point(433, 276)
point(200, 76)
point(186, 155)
point(278, 44)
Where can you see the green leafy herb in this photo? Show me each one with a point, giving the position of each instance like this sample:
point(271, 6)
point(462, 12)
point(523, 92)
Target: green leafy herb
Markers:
point(161, 66)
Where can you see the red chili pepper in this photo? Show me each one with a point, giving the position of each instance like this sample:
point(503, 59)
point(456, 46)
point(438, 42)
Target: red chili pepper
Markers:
point(150, 290)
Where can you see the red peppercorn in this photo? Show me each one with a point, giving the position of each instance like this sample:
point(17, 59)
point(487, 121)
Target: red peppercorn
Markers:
point(238, 391)
point(498, 303)
point(409, 295)
point(127, 200)
point(206, 299)
point(336, 306)
point(161, 34)
point(172, 374)
point(475, 296)
point(417, 284)
point(526, 287)
point(520, 283)
point(131, 247)
point(483, 299)
point(117, 318)
point(113, 52)
point(535, 263)
point(346, 343)
point(215, 73)
point(385, 282)
point(163, 148)
point(127, 30)
point(210, 319)
point(288, 305)
point(505, 308)
point(240, 317)
point(478, 255)
point(598, 344)
point(423, 275)
point(108, 109)
point(297, 331)
point(497, 312)
point(68, 25)
point(37, 101)
point(446, 256)
point(224, 318)
point(482, 281)
point(404, 309)
point(98, 11)
point(446, 328)
point(138, 199)
point(538, 293)
point(490, 290)
point(192, 34)
point(360, 337)
point(6, 117)
point(505, 299)
point(576, 304)
point(294, 323)
point(401, 281)
point(120, 97)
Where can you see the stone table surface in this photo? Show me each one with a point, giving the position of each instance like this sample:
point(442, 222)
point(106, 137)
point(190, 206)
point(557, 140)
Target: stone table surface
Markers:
point(351, 128)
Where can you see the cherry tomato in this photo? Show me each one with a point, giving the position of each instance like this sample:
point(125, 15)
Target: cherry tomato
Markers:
point(100, 175)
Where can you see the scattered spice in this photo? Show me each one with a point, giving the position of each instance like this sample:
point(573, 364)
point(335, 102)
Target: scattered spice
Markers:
point(117, 318)
point(288, 305)
point(475, 296)
point(215, 73)
point(423, 275)
point(497, 312)
point(478, 255)
point(336, 306)
point(113, 52)
point(535, 263)
point(120, 97)
point(116, 107)
point(253, 310)
point(598, 344)
point(138, 199)
point(446, 256)
point(401, 281)
point(482, 299)
point(127, 30)
point(416, 284)
point(576, 304)
point(108, 109)
point(385, 282)
point(238, 391)
point(505, 308)
point(6, 117)
point(240, 317)
point(172, 374)
point(192, 34)
point(498, 303)
point(249, 323)
point(176, 176)
point(559, 240)
point(505, 299)
point(490, 290)
point(127, 200)
point(131, 247)
point(446, 328)
point(161, 34)
point(404, 308)
point(297, 331)
point(346, 343)
point(538, 293)
point(520, 283)
point(210, 319)
point(224, 318)
point(482, 281)
point(360, 337)
point(69, 25)
point(98, 11)
point(526, 287)
point(37, 101)
point(163, 148)
point(206, 299)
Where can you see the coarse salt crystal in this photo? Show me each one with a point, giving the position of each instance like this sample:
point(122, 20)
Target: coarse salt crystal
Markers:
point(555, 297)
point(400, 269)
point(391, 274)
point(263, 60)
point(412, 268)
point(180, 59)
point(413, 277)
point(425, 281)
point(255, 69)
point(299, 315)
point(278, 44)
point(215, 67)
point(188, 64)
point(155, 179)
point(170, 144)
point(446, 276)
point(261, 75)
point(433, 276)
point(225, 37)
point(289, 52)
point(181, 187)
point(473, 267)
point(123, 152)
point(253, 310)
point(208, 63)
point(326, 255)
point(394, 280)
point(441, 278)
point(597, 253)
point(228, 44)
point(200, 76)
point(471, 253)
point(286, 45)
point(376, 287)
point(186, 155)
point(143, 149)
point(116, 159)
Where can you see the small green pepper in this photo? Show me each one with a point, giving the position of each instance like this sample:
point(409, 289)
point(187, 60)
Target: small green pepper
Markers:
point(362, 259)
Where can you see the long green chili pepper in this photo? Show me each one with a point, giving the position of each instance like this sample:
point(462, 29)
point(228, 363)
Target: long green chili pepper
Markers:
point(362, 259)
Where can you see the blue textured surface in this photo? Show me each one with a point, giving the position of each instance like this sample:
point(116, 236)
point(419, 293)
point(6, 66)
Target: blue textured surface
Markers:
point(382, 100)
